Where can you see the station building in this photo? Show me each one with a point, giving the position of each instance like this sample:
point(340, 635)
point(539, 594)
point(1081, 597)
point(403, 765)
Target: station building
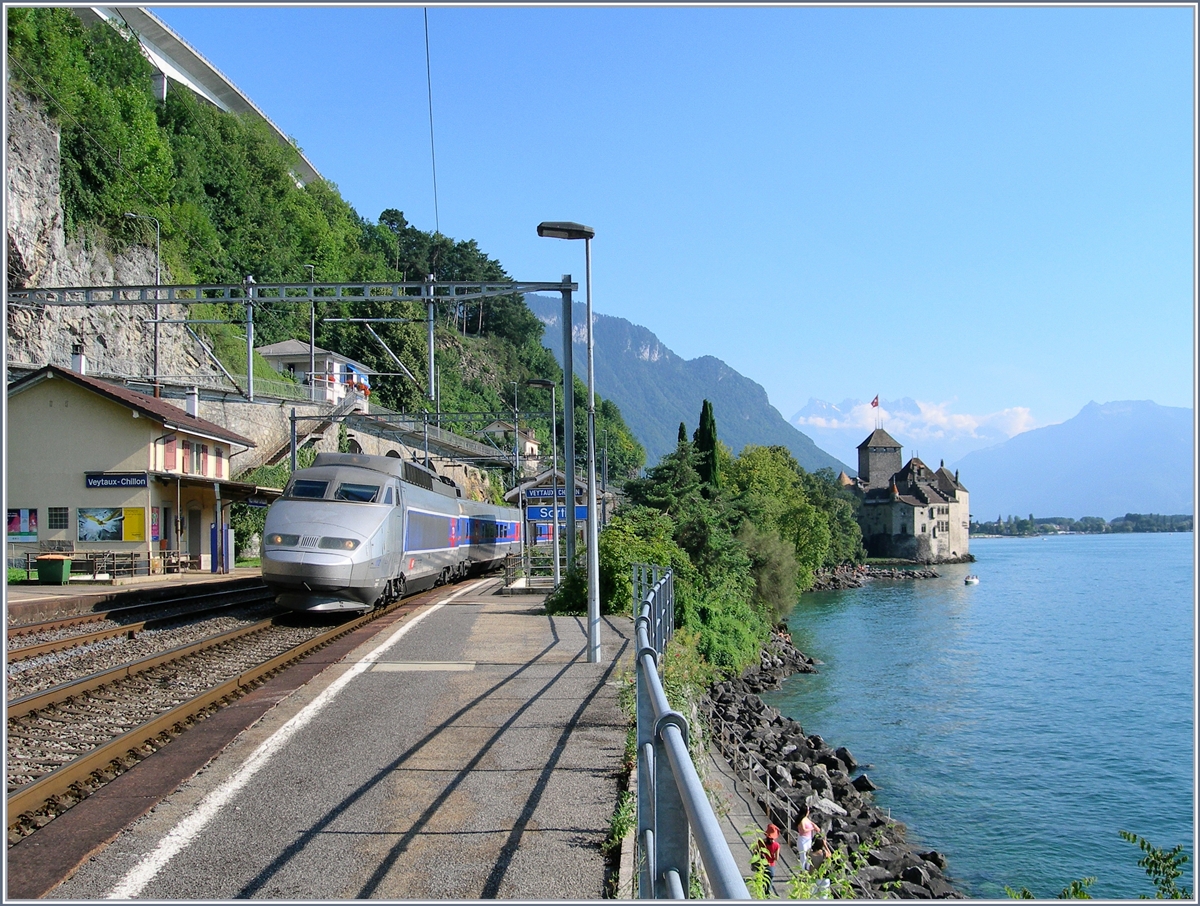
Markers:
point(95, 467)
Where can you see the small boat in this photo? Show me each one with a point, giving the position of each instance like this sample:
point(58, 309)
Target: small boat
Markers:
point(971, 580)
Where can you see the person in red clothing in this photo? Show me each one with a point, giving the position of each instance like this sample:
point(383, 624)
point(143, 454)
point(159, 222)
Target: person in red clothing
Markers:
point(768, 850)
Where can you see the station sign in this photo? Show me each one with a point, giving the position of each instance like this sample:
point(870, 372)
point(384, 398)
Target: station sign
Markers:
point(256, 501)
point(539, 493)
point(115, 479)
point(546, 513)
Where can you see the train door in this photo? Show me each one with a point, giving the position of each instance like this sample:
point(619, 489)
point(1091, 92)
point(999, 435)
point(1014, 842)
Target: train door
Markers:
point(395, 533)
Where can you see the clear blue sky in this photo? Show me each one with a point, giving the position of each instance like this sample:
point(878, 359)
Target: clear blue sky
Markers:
point(990, 210)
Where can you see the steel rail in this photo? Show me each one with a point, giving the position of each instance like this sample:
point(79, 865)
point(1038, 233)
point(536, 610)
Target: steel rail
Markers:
point(60, 781)
point(57, 695)
point(89, 638)
point(94, 616)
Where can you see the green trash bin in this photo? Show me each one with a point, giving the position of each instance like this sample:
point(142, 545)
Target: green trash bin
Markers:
point(54, 569)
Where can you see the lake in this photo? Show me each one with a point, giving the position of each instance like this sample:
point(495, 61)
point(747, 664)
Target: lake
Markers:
point(1017, 725)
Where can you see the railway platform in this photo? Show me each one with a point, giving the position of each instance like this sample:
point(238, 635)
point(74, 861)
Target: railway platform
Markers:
point(464, 750)
point(27, 602)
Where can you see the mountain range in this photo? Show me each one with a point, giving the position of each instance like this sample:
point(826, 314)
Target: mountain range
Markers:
point(656, 389)
point(1111, 459)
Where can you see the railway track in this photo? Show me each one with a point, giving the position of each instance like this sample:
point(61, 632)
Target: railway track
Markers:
point(66, 741)
point(56, 639)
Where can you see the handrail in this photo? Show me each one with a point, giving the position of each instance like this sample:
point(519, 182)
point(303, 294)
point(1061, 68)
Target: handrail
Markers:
point(671, 799)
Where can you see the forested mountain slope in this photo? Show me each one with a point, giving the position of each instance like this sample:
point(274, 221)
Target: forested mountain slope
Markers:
point(656, 389)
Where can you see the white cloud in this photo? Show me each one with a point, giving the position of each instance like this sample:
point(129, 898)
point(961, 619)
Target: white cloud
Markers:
point(933, 428)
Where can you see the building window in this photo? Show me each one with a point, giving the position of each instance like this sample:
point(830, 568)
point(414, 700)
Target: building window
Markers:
point(58, 518)
point(195, 469)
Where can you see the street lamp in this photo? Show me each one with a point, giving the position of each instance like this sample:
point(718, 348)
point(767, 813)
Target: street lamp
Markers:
point(542, 382)
point(312, 336)
point(570, 230)
point(157, 281)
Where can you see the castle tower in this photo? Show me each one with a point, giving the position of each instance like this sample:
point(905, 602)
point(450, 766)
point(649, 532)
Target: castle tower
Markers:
point(878, 459)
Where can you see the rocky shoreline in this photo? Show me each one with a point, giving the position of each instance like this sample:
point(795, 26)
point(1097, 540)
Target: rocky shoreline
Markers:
point(789, 768)
point(850, 576)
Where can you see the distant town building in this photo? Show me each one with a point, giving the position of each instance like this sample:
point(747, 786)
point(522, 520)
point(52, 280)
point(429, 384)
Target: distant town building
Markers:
point(910, 512)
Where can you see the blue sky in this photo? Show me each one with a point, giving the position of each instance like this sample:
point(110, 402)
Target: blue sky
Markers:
point(989, 211)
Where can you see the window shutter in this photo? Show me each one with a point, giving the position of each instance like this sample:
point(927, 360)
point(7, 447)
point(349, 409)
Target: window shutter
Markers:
point(220, 462)
point(204, 459)
point(187, 456)
point(170, 456)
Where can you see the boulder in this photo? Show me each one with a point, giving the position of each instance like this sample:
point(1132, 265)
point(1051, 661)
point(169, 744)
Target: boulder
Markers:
point(863, 784)
point(844, 756)
point(935, 857)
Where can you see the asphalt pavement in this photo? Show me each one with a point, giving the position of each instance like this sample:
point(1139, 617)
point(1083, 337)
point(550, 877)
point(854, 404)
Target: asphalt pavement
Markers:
point(467, 752)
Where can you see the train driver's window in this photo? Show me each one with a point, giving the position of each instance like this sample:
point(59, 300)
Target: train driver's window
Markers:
point(307, 487)
point(388, 497)
point(358, 493)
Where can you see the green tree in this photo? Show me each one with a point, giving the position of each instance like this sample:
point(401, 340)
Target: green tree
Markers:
point(706, 447)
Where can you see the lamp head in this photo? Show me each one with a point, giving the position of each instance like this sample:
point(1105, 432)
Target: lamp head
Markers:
point(564, 229)
point(539, 382)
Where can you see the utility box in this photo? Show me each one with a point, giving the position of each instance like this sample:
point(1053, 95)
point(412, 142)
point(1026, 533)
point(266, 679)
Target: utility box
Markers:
point(54, 569)
point(226, 551)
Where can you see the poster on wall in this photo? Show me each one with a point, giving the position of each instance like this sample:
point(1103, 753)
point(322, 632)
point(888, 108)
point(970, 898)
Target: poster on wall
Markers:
point(154, 530)
point(22, 525)
point(112, 523)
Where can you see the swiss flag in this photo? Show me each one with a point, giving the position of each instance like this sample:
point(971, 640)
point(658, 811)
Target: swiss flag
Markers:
point(875, 402)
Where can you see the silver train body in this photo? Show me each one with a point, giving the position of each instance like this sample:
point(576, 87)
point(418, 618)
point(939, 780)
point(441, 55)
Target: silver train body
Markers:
point(354, 532)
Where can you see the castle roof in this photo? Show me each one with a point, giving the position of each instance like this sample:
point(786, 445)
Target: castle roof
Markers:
point(947, 482)
point(880, 438)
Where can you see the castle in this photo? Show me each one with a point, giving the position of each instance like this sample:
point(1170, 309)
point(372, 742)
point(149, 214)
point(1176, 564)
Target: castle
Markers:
point(910, 512)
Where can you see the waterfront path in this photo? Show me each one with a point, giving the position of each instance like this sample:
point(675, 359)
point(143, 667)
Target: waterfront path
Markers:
point(467, 751)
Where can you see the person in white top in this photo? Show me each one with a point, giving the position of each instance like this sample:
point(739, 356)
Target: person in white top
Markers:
point(806, 830)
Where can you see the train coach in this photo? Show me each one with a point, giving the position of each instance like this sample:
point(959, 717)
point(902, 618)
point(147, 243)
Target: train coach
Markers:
point(353, 532)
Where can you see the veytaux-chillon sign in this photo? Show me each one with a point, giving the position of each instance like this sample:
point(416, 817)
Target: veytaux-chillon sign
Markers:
point(115, 479)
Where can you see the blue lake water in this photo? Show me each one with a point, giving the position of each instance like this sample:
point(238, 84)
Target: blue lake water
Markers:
point(1017, 725)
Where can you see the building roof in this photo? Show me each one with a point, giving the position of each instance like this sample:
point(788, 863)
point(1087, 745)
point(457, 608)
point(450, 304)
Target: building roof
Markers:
point(880, 438)
point(298, 348)
point(169, 414)
point(948, 483)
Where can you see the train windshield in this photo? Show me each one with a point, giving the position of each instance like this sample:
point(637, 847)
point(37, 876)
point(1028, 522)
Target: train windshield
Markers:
point(359, 493)
point(307, 487)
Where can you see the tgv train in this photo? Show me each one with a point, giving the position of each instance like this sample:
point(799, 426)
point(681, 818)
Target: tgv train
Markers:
point(353, 532)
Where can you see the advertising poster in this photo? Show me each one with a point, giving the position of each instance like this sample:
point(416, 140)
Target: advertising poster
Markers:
point(154, 530)
point(22, 525)
point(101, 523)
point(133, 519)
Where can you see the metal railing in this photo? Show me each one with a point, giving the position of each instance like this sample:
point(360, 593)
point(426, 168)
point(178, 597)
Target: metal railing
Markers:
point(672, 806)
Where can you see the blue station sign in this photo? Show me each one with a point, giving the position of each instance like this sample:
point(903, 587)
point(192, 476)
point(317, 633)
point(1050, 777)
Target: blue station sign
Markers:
point(546, 513)
point(115, 479)
point(546, 493)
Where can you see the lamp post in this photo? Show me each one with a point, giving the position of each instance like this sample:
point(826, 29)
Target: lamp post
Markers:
point(312, 335)
point(569, 230)
point(516, 435)
point(157, 281)
point(542, 382)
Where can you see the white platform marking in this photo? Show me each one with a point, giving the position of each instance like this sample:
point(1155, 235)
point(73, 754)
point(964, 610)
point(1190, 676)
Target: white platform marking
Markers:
point(186, 830)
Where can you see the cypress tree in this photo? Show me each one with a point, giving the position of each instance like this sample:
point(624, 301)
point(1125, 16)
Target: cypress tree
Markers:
point(682, 433)
point(706, 447)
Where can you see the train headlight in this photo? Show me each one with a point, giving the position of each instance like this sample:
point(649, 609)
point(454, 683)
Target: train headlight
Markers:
point(338, 544)
point(277, 540)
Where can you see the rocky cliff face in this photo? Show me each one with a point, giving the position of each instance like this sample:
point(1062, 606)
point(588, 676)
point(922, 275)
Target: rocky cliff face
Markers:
point(115, 339)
